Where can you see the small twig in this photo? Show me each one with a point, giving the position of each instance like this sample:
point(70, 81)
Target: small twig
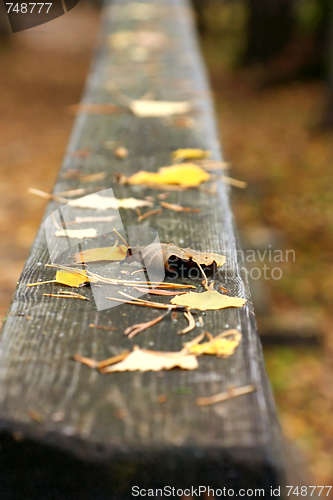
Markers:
point(149, 214)
point(133, 330)
point(232, 392)
point(178, 208)
point(120, 236)
point(191, 323)
point(48, 196)
point(100, 327)
point(233, 182)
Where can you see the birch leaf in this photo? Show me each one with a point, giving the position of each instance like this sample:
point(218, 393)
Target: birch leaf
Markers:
point(224, 346)
point(77, 233)
point(209, 300)
point(112, 254)
point(143, 360)
point(98, 202)
point(71, 279)
point(190, 154)
point(184, 174)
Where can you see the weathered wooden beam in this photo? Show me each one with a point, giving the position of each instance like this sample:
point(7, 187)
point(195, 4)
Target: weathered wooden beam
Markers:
point(235, 443)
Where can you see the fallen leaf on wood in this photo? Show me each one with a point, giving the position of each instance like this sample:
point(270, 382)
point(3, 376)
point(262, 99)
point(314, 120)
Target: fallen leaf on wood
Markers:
point(178, 208)
point(151, 40)
point(191, 323)
point(190, 154)
point(209, 300)
point(95, 109)
point(184, 174)
point(112, 254)
point(133, 330)
point(144, 360)
point(145, 108)
point(232, 392)
point(73, 278)
point(98, 202)
point(90, 232)
point(151, 256)
point(156, 109)
point(220, 345)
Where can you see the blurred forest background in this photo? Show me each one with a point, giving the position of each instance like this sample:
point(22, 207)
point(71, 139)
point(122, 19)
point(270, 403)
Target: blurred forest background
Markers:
point(271, 68)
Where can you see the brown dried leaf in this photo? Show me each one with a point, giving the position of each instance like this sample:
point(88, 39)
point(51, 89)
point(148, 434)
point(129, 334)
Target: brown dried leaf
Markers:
point(152, 255)
point(210, 300)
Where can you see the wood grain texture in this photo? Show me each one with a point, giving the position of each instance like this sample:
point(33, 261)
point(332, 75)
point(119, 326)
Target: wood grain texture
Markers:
point(235, 442)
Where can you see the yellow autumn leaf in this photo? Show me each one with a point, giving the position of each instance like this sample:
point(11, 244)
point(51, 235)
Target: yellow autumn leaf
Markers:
point(190, 154)
point(114, 253)
point(207, 300)
point(77, 233)
point(143, 360)
point(98, 202)
point(71, 278)
point(221, 345)
point(184, 174)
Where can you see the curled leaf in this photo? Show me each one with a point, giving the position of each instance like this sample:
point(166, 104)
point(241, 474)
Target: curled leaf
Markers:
point(224, 344)
point(210, 300)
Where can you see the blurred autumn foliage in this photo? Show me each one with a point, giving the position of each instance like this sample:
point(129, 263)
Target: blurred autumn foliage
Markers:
point(273, 105)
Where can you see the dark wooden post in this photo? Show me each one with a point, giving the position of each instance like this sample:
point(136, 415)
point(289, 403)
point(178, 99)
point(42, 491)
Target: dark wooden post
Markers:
point(235, 444)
